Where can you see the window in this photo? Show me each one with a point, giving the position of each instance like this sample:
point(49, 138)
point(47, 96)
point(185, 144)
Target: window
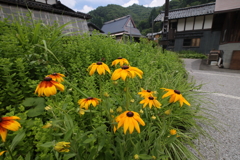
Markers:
point(194, 42)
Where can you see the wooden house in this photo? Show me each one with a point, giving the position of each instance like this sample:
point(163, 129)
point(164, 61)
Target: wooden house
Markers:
point(121, 27)
point(227, 22)
point(190, 28)
point(48, 11)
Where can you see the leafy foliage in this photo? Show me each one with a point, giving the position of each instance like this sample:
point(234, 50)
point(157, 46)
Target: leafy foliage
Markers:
point(48, 120)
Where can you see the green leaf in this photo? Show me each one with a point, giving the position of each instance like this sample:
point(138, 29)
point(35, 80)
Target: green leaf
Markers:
point(68, 156)
point(37, 103)
point(144, 156)
point(28, 156)
point(89, 140)
point(17, 139)
point(47, 144)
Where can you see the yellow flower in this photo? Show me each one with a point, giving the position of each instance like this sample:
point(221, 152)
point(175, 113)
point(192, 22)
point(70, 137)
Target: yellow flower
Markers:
point(48, 108)
point(126, 71)
point(81, 111)
point(62, 146)
point(86, 102)
point(173, 132)
point(1, 153)
point(129, 120)
point(153, 117)
point(121, 61)
point(106, 94)
point(100, 67)
point(119, 109)
point(48, 87)
point(57, 77)
point(151, 101)
point(132, 100)
point(146, 93)
point(153, 157)
point(48, 125)
point(136, 156)
point(175, 96)
point(111, 111)
point(141, 111)
point(167, 112)
point(8, 123)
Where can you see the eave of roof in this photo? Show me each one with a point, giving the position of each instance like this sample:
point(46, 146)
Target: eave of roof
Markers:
point(47, 7)
point(94, 26)
point(192, 11)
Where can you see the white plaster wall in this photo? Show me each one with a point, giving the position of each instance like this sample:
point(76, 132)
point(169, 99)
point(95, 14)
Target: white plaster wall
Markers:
point(227, 55)
point(180, 26)
point(208, 22)
point(189, 24)
point(198, 22)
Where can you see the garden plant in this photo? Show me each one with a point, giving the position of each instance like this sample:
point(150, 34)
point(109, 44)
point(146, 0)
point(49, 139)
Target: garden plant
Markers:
point(75, 96)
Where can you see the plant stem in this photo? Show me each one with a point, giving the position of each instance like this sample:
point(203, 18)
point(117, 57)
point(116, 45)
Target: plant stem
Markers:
point(9, 151)
point(76, 88)
point(127, 94)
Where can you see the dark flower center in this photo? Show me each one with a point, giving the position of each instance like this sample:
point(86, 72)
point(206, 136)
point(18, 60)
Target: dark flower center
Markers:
point(89, 98)
point(148, 90)
point(47, 79)
point(54, 74)
point(130, 114)
point(177, 91)
point(151, 98)
point(99, 63)
point(119, 58)
point(125, 67)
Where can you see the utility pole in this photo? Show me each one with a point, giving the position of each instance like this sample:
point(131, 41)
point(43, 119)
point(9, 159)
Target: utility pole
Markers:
point(164, 40)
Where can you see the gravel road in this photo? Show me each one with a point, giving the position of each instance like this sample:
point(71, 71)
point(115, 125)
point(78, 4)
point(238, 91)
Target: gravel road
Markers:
point(223, 88)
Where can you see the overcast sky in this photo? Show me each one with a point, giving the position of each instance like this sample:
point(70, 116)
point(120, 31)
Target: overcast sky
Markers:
point(87, 5)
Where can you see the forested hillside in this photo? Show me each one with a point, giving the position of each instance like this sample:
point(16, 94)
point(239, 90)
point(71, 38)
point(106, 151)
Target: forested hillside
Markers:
point(141, 15)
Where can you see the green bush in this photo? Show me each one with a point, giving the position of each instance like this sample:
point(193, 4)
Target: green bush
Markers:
point(91, 134)
point(191, 54)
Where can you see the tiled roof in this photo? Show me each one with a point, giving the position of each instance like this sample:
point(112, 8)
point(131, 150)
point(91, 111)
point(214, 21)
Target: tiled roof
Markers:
point(58, 8)
point(192, 11)
point(119, 25)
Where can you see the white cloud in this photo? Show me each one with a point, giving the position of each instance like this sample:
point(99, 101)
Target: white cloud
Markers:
point(86, 9)
point(69, 3)
point(155, 3)
point(131, 2)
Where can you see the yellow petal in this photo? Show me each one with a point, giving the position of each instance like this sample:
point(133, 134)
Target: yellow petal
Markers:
point(3, 133)
point(126, 125)
point(136, 125)
point(131, 125)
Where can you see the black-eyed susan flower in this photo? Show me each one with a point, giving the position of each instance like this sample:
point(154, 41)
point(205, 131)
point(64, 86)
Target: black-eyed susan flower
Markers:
point(121, 61)
point(57, 77)
point(126, 71)
point(129, 120)
point(100, 67)
point(151, 101)
point(175, 96)
point(1, 153)
point(145, 93)
point(62, 146)
point(48, 87)
point(8, 123)
point(86, 102)
point(173, 132)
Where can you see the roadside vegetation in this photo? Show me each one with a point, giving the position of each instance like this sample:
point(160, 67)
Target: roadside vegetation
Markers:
point(191, 54)
point(72, 96)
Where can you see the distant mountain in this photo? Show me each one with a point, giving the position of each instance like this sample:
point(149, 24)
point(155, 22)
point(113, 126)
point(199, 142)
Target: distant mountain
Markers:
point(141, 15)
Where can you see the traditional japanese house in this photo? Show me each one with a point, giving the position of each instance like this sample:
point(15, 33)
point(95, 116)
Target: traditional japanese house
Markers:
point(190, 28)
point(121, 27)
